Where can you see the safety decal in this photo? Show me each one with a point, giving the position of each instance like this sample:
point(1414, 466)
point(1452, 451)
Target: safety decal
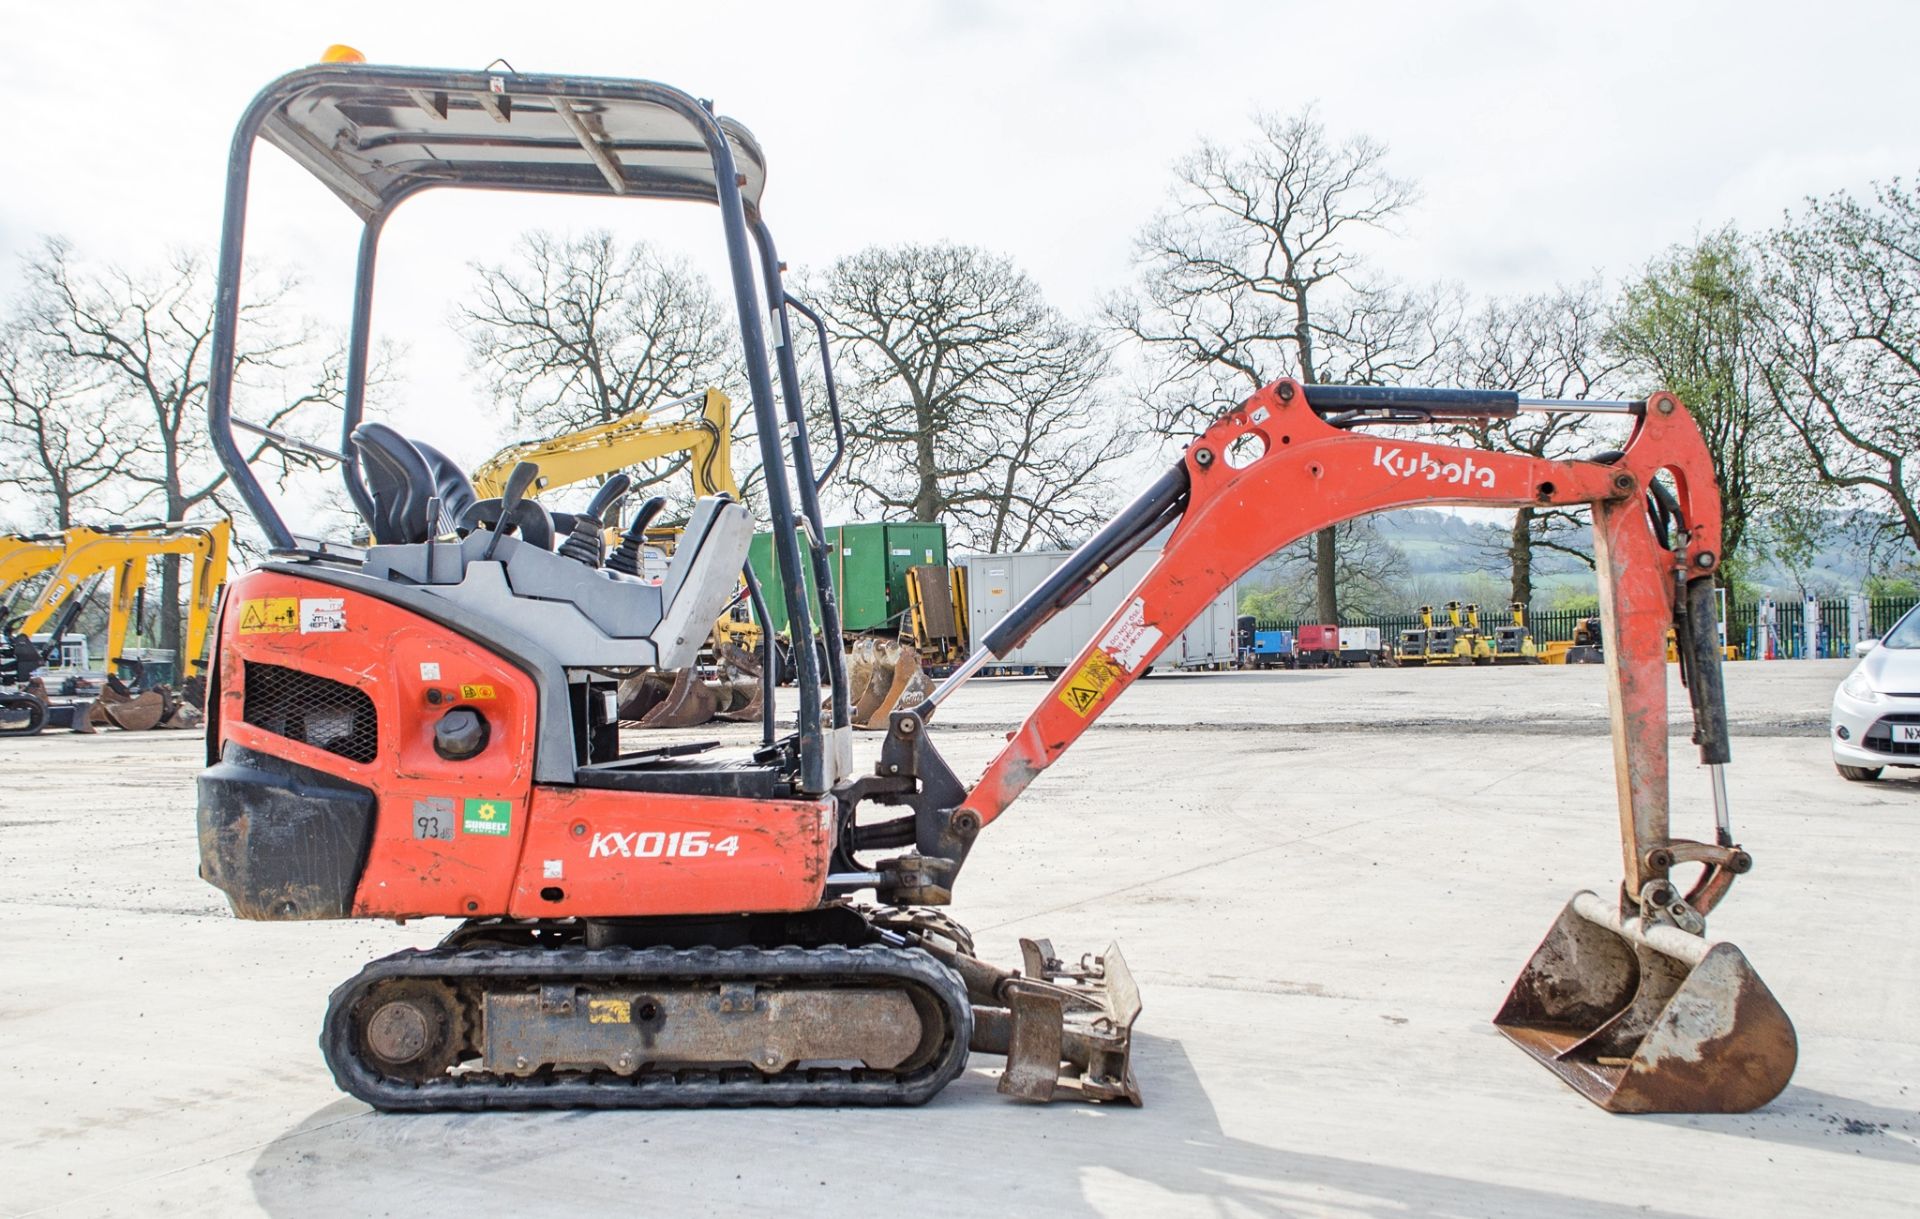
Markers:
point(319, 615)
point(429, 670)
point(1131, 638)
point(269, 615)
point(476, 693)
point(609, 1011)
point(1085, 687)
point(433, 818)
point(489, 818)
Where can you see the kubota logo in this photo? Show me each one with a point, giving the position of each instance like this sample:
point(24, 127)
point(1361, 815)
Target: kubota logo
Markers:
point(1422, 465)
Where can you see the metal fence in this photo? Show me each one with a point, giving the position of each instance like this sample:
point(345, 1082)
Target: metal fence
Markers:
point(1767, 629)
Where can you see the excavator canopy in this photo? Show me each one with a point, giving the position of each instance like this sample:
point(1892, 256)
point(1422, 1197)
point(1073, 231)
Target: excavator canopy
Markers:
point(376, 135)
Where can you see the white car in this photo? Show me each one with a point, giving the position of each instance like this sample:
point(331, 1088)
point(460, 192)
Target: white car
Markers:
point(1876, 711)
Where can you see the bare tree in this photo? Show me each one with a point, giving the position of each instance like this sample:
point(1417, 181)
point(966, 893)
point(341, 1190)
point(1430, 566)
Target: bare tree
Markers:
point(143, 341)
point(968, 399)
point(1243, 278)
point(1549, 345)
point(1692, 323)
point(58, 446)
point(1843, 312)
point(578, 331)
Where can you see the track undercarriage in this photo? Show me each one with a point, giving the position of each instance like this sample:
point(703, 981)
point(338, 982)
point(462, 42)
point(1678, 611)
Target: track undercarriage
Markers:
point(840, 1007)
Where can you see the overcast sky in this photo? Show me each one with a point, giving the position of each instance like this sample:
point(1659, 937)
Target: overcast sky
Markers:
point(1551, 141)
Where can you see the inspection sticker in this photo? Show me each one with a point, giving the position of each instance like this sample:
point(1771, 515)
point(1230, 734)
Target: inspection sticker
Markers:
point(319, 615)
point(269, 615)
point(429, 670)
point(433, 818)
point(489, 818)
point(1131, 638)
point(1085, 687)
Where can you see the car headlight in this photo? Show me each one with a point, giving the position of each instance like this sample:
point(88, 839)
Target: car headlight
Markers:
point(1857, 686)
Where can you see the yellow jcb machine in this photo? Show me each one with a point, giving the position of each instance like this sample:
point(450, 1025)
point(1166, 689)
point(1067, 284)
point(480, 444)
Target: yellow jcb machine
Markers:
point(86, 558)
point(683, 698)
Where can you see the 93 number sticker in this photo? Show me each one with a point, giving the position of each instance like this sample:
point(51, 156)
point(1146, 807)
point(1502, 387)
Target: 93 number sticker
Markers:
point(653, 844)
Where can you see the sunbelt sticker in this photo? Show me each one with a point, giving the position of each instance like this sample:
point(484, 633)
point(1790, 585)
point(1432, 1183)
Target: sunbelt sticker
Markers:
point(487, 817)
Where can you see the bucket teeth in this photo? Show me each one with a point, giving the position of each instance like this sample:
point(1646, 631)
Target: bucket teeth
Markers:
point(1643, 1017)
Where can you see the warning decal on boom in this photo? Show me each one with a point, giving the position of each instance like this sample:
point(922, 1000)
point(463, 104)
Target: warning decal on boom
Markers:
point(1086, 686)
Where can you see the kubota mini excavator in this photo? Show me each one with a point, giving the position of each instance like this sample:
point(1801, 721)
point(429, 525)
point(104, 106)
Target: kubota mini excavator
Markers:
point(423, 728)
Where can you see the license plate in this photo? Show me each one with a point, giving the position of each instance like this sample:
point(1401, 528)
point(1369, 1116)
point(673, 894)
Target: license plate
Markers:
point(1906, 734)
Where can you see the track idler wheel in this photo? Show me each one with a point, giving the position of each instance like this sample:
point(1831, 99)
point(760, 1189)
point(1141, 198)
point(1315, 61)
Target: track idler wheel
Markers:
point(1643, 1017)
point(410, 1029)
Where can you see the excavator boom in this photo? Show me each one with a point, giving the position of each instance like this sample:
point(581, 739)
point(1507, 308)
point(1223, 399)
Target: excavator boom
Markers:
point(636, 437)
point(1630, 1041)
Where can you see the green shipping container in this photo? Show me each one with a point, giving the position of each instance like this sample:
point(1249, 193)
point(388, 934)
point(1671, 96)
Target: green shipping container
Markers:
point(869, 563)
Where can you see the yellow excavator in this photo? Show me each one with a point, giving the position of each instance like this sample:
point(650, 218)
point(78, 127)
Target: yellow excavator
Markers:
point(657, 700)
point(86, 557)
point(24, 556)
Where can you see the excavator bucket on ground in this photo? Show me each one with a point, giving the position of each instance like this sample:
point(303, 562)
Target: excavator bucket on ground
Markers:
point(1643, 1017)
point(131, 713)
point(741, 698)
point(687, 703)
point(882, 675)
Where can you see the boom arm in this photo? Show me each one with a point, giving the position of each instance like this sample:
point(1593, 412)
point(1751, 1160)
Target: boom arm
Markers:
point(706, 438)
point(89, 553)
point(1310, 474)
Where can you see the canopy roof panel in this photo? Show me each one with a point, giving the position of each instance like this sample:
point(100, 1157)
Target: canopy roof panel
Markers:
point(375, 134)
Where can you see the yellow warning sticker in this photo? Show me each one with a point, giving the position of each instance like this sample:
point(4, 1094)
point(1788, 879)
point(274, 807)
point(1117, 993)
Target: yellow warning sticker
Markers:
point(1085, 687)
point(609, 1011)
point(269, 615)
point(476, 692)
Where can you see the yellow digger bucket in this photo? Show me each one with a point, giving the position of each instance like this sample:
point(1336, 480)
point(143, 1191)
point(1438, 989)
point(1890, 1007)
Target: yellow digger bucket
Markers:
point(1643, 1017)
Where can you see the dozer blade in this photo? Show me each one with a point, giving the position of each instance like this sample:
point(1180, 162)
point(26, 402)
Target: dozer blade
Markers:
point(690, 703)
point(893, 676)
point(1064, 1029)
point(1643, 1017)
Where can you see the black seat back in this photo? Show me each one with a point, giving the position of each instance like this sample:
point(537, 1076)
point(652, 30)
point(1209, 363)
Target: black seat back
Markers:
point(398, 482)
point(450, 483)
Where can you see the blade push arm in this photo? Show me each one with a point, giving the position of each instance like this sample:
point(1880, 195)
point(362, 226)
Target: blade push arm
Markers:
point(1308, 473)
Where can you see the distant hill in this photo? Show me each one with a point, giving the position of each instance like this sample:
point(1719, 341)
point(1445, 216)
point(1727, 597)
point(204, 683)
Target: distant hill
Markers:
point(1440, 550)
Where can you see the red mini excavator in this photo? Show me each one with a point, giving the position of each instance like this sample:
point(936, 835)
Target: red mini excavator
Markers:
point(426, 726)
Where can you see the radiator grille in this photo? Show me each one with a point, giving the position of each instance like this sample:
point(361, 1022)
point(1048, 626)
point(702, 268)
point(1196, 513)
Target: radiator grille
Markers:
point(316, 711)
point(1879, 738)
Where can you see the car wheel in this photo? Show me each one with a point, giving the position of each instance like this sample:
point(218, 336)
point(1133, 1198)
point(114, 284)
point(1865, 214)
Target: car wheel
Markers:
point(1858, 774)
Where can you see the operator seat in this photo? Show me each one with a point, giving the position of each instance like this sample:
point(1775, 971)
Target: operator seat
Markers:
point(398, 483)
point(450, 483)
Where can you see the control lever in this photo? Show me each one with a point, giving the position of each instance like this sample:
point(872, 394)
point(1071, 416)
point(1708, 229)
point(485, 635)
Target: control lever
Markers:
point(626, 557)
point(518, 483)
point(585, 543)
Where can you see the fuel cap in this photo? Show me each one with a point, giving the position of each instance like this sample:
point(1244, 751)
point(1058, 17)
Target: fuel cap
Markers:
point(461, 733)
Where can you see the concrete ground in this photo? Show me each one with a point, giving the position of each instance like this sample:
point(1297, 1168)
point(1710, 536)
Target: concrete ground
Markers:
point(1324, 883)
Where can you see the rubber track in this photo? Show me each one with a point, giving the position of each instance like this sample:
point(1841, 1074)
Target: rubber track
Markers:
point(659, 1089)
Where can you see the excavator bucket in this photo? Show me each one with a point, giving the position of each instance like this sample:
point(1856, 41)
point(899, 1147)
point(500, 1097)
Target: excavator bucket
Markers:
point(740, 697)
point(141, 713)
point(689, 703)
point(1643, 1017)
point(882, 675)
